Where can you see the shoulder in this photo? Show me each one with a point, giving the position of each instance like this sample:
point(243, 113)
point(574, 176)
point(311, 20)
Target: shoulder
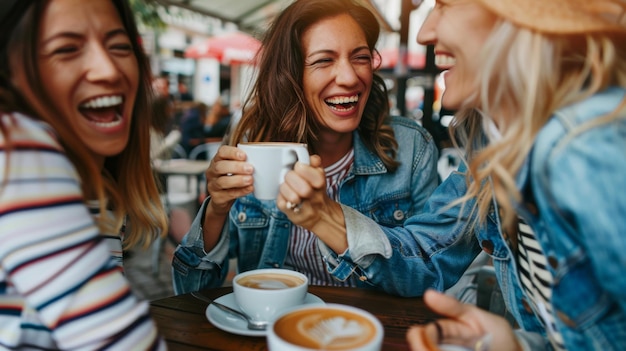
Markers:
point(575, 150)
point(578, 124)
point(29, 132)
point(409, 127)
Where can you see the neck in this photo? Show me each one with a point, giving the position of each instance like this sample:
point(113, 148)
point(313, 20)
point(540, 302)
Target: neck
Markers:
point(331, 148)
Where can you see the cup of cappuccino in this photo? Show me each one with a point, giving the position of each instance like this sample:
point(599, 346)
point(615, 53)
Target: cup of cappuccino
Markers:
point(264, 293)
point(327, 327)
point(271, 161)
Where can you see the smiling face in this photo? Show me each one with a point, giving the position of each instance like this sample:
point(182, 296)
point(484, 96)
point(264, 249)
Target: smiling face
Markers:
point(338, 73)
point(458, 30)
point(89, 71)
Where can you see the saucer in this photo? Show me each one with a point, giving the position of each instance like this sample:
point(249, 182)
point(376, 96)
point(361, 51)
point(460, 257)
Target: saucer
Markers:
point(236, 325)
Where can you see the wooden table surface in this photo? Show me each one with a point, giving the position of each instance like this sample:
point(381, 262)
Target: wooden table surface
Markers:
point(181, 319)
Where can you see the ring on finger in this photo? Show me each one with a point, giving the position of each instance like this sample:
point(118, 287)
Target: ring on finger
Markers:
point(294, 207)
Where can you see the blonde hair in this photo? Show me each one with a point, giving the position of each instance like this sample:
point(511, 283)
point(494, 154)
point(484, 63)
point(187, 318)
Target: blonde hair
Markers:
point(526, 77)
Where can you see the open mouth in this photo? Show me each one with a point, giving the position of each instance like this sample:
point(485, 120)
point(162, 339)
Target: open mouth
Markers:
point(342, 103)
point(103, 111)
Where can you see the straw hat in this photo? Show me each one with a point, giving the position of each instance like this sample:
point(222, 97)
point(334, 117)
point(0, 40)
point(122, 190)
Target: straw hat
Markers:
point(563, 16)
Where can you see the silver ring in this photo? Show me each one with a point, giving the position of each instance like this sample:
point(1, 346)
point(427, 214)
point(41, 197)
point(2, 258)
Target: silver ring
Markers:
point(294, 207)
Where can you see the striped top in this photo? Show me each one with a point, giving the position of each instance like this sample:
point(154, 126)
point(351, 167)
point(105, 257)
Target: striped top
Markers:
point(114, 241)
point(537, 281)
point(58, 287)
point(304, 255)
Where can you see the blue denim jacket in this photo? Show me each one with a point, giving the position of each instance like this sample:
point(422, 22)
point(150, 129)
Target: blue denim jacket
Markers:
point(258, 233)
point(577, 209)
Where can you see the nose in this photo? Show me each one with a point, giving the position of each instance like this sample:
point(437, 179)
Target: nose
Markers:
point(426, 34)
point(345, 73)
point(100, 65)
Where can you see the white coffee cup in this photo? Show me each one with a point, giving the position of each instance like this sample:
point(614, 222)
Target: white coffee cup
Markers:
point(264, 293)
point(271, 162)
point(325, 327)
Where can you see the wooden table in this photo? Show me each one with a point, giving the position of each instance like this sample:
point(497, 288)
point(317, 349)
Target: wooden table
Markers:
point(181, 319)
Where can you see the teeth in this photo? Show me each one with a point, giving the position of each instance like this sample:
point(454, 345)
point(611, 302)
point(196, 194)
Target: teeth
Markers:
point(444, 60)
point(343, 99)
point(114, 123)
point(342, 109)
point(102, 102)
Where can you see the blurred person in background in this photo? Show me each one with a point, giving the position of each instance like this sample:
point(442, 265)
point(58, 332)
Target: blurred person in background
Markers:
point(183, 91)
point(74, 147)
point(323, 91)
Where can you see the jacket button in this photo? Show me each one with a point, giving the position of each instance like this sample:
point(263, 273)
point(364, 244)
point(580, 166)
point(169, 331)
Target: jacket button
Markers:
point(554, 263)
point(242, 217)
point(398, 215)
point(565, 319)
point(527, 307)
point(487, 246)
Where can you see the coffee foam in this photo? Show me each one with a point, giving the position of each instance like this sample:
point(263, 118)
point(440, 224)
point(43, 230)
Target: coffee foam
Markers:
point(270, 281)
point(327, 329)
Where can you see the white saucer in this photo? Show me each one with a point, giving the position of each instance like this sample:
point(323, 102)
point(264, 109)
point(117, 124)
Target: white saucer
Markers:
point(236, 325)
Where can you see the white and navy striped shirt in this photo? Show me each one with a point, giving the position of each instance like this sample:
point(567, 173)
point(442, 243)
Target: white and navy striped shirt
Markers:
point(537, 280)
point(304, 255)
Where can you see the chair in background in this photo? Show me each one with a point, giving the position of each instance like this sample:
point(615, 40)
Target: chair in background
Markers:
point(205, 151)
point(178, 151)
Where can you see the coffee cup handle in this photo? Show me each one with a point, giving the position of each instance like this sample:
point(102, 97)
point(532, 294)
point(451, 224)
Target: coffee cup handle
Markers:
point(302, 155)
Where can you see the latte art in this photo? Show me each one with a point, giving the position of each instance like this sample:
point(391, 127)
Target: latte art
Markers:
point(325, 329)
point(270, 281)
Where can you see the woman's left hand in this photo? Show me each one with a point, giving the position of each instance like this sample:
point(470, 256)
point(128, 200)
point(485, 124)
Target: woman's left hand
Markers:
point(465, 325)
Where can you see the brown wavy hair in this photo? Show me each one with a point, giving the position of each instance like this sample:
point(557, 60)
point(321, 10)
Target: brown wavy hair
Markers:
point(126, 185)
point(276, 109)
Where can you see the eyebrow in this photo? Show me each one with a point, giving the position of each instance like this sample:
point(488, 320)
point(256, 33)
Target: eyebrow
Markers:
point(326, 51)
point(67, 34)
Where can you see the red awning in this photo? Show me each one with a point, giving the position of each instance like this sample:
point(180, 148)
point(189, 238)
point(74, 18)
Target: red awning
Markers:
point(229, 48)
point(389, 58)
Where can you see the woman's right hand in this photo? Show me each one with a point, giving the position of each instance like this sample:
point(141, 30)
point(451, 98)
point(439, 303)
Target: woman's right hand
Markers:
point(229, 177)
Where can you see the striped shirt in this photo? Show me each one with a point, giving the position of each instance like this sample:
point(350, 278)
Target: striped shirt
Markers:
point(114, 241)
point(304, 255)
point(59, 289)
point(536, 280)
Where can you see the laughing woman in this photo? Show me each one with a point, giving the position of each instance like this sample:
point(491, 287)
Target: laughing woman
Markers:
point(74, 147)
point(316, 85)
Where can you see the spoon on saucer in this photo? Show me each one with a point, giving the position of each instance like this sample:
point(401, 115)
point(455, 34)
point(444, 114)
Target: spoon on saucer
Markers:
point(252, 324)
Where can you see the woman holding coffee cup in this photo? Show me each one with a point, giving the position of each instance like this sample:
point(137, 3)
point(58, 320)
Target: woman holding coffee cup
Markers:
point(317, 86)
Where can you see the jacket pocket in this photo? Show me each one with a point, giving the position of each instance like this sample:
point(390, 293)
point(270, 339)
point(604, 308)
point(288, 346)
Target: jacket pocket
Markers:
point(393, 212)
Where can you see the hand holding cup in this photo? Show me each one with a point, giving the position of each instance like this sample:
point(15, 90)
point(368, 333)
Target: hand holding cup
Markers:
point(271, 161)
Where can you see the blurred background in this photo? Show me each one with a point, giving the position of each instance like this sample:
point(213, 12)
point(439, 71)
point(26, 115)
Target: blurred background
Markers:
point(206, 47)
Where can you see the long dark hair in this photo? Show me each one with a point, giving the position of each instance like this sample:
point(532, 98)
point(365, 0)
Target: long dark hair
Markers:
point(277, 110)
point(127, 181)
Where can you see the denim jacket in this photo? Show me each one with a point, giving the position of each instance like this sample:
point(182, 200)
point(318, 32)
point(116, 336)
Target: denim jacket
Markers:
point(257, 233)
point(577, 209)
